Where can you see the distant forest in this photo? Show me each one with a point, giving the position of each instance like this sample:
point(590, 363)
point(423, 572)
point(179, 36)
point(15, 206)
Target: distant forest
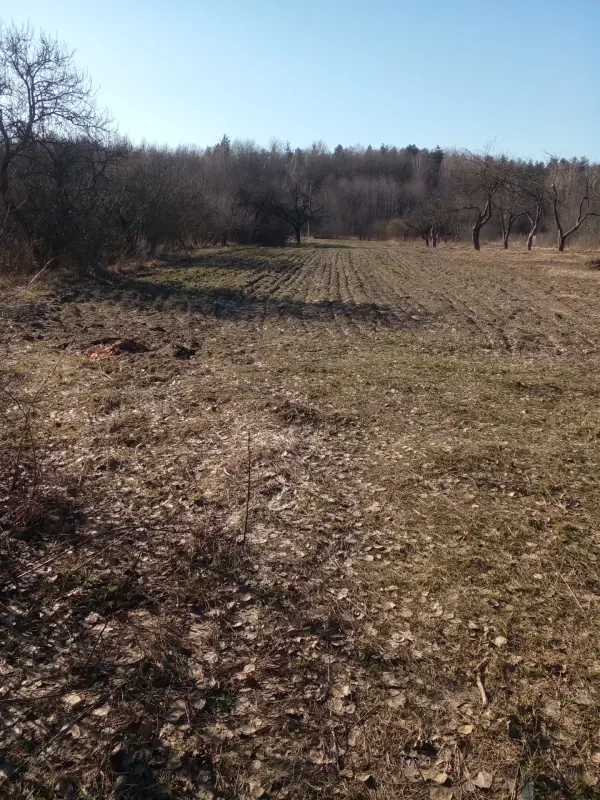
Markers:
point(73, 192)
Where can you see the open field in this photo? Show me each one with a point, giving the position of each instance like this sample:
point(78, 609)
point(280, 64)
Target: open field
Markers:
point(331, 529)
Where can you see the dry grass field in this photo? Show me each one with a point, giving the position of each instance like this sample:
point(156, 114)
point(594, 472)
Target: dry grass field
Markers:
point(304, 523)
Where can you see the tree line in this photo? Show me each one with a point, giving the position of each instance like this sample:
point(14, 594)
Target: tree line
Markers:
point(73, 192)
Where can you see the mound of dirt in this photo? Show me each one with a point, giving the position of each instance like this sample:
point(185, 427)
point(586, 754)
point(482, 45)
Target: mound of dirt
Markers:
point(104, 349)
point(130, 346)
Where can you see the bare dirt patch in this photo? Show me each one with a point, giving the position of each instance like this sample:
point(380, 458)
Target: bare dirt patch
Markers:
point(406, 601)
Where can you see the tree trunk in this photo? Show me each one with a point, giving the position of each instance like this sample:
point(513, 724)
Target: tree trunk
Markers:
point(482, 219)
point(561, 236)
point(425, 238)
point(298, 240)
point(507, 224)
point(581, 217)
point(433, 237)
point(534, 223)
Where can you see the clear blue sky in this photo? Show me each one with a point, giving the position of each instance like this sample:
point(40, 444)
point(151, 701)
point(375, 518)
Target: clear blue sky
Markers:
point(525, 73)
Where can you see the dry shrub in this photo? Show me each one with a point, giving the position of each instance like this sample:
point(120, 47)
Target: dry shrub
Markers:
point(16, 257)
point(19, 455)
point(29, 507)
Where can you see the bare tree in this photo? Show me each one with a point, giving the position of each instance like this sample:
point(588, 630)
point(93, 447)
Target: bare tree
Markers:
point(573, 184)
point(296, 208)
point(227, 187)
point(159, 204)
point(295, 199)
point(43, 98)
point(422, 228)
point(509, 198)
point(531, 183)
point(477, 180)
point(428, 219)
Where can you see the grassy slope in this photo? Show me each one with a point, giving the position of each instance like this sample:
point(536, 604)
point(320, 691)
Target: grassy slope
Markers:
point(423, 430)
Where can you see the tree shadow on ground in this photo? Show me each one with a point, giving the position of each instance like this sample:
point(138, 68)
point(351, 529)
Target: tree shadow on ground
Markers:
point(240, 304)
point(66, 668)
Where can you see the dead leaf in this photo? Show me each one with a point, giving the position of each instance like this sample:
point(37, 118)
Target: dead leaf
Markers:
point(552, 708)
point(435, 776)
point(246, 673)
point(177, 712)
point(319, 757)
point(256, 790)
point(101, 711)
point(253, 727)
point(500, 641)
point(440, 793)
point(390, 680)
point(342, 594)
point(590, 779)
point(219, 732)
point(353, 737)
point(465, 730)
point(398, 701)
point(197, 701)
point(336, 704)
point(412, 774)
point(484, 780)
point(72, 699)
point(582, 699)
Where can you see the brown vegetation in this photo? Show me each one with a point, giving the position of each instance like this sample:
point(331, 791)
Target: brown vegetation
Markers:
point(345, 545)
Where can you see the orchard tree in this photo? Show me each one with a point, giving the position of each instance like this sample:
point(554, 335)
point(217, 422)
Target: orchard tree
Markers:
point(477, 180)
point(295, 197)
point(574, 190)
point(531, 181)
point(509, 197)
point(429, 219)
